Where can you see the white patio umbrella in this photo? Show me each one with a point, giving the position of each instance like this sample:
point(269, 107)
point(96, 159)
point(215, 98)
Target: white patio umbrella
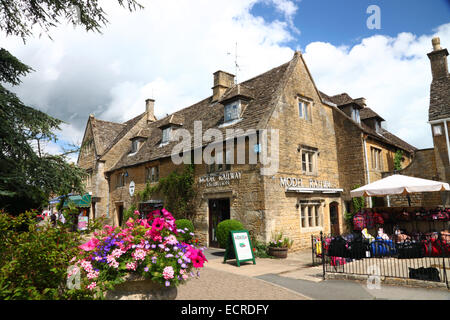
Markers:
point(399, 184)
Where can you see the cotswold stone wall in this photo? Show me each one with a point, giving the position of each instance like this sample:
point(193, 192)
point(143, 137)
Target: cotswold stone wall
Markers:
point(281, 211)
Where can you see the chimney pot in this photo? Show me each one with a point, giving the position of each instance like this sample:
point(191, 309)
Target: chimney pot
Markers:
point(436, 43)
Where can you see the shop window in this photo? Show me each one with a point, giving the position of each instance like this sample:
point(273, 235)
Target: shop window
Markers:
point(309, 161)
point(377, 160)
point(152, 174)
point(310, 215)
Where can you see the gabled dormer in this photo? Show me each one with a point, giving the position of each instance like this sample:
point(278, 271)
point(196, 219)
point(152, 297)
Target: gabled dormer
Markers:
point(351, 107)
point(138, 140)
point(168, 125)
point(234, 102)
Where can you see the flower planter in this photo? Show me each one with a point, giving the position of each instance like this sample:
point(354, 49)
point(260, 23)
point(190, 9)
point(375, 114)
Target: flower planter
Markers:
point(139, 288)
point(278, 252)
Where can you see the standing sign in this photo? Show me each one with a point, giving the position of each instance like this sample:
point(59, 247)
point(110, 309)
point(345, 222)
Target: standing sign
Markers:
point(83, 223)
point(239, 244)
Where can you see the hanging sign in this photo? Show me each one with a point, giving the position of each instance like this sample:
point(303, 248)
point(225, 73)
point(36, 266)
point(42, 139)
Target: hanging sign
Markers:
point(131, 189)
point(239, 247)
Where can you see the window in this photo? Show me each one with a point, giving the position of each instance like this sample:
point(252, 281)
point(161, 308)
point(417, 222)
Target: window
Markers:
point(224, 166)
point(166, 135)
point(120, 180)
point(304, 111)
point(134, 145)
point(437, 130)
point(310, 215)
point(309, 161)
point(377, 160)
point(355, 115)
point(152, 174)
point(377, 126)
point(232, 111)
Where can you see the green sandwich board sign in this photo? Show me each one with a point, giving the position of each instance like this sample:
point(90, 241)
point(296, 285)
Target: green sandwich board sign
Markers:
point(239, 247)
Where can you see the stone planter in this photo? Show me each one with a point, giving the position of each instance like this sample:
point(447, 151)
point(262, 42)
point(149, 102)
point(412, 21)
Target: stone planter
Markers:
point(278, 252)
point(138, 288)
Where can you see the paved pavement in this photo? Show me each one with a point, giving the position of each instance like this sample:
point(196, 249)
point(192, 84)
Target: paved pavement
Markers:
point(287, 279)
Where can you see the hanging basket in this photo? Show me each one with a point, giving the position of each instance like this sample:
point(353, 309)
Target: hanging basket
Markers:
point(139, 288)
point(280, 253)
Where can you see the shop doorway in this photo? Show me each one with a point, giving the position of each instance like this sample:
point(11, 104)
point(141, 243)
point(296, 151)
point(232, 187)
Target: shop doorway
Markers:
point(334, 218)
point(120, 214)
point(219, 210)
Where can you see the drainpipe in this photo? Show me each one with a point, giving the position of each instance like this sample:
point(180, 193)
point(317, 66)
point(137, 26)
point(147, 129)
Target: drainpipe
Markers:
point(367, 169)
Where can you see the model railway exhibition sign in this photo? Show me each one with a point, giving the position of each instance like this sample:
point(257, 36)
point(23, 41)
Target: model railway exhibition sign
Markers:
point(239, 244)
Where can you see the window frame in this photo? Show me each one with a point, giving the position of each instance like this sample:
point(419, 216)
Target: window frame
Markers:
point(311, 216)
point(165, 138)
point(236, 113)
point(377, 158)
point(152, 174)
point(304, 109)
point(437, 126)
point(309, 162)
point(120, 180)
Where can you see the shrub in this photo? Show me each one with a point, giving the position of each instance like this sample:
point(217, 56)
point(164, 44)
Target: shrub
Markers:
point(34, 263)
point(224, 228)
point(185, 230)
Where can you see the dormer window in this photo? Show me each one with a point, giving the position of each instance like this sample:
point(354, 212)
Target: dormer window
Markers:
point(232, 111)
point(134, 145)
point(378, 127)
point(166, 135)
point(355, 115)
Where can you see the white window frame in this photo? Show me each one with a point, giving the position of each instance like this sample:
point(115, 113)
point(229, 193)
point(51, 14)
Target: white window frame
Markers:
point(234, 114)
point(311, 216)
point(355, 115)
point(304, 109)
point(437, 130)
point(166, 135)
point(377, 158)
point(309, 158)
point(152, 174)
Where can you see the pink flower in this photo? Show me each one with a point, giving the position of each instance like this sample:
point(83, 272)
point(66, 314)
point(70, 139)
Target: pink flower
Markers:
point(185, 276)
point(136, 212)
point(131, 266)
point(93, 275)
point(130, 222)
point(172, 239)
point(92, 286)
point(168, 273)
point(139, 254)
point(145, 223)
point(117, 253)
point(87, 266)
point(198, 261)
point(158, 224)
point(90, 245)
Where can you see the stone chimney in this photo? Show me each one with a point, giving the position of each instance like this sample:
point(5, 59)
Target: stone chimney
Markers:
point(361, 101)
point(150, 109)
point(438, 59)
point(222, 81)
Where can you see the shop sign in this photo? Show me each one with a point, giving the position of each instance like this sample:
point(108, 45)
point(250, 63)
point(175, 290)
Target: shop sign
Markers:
point(83, 223)
point(219, 180)
point(298, 182)
point(239, 244)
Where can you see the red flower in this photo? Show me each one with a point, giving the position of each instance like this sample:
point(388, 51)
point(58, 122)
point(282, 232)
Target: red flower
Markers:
point(158, 224)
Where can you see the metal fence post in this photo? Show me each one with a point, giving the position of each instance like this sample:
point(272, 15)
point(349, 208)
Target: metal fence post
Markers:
point(323, 254)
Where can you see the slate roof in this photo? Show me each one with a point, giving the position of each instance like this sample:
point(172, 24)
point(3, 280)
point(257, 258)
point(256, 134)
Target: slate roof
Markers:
point(263, 90)
point(367, 113)
point(439, 99)
point(102, 132)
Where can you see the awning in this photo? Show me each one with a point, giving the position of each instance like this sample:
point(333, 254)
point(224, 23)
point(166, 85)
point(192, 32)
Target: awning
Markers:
point(79, 201)
point(399, 184)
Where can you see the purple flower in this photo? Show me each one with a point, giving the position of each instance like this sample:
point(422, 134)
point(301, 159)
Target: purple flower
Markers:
point(146, 269)
point(167, 283)
point(169, 255)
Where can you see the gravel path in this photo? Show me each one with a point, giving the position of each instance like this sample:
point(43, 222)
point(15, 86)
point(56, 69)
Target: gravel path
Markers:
point(220, 285)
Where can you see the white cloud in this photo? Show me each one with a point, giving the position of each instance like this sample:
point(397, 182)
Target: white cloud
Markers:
point(392, 73)
point(169, 50)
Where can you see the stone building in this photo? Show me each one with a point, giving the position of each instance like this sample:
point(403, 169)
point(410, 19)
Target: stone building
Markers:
point(433, 163)
point(320, 147)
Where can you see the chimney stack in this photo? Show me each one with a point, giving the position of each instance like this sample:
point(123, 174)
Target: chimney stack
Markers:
point(150, 109)
point(222, 81)
point(438, 59)
point(361, 101)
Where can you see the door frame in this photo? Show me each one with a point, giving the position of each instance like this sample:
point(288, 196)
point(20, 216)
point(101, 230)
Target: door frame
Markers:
point(212, 243)
point(335, 205)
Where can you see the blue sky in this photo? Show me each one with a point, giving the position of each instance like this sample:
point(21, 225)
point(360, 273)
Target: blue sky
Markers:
point(343, 22)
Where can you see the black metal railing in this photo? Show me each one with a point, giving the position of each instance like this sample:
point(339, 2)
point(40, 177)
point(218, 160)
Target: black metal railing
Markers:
point(422, 259)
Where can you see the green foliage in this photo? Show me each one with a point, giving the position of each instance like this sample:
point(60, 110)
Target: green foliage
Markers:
point(184, 224)
point(279, 241)
point(398, 160)
point(176, 190)
point(34, 262)
point(260, 249)
point(358, 204)
point(17, 18)
point(224, 228)
point(128, 213)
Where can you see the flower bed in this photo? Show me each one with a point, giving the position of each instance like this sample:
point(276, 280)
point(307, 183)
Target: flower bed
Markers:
point(149, 248)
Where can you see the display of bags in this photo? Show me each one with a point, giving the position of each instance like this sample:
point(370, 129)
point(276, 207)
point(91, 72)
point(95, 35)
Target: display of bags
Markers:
point(409, 250)
point(427, 274)
point(359, 221)
point(338, 248)
point(381, 248)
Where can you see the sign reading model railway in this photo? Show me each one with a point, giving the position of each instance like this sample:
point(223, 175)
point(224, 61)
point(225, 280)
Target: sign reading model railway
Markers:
point(239, 244)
